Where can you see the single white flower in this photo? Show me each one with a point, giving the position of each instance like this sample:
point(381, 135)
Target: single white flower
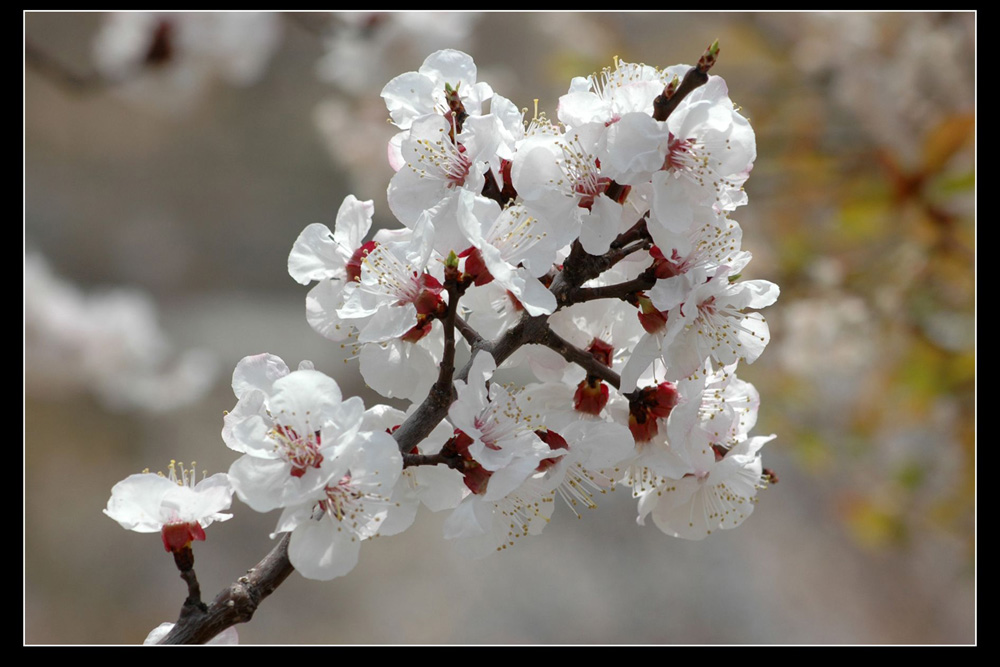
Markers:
point(334, 260)
point(176, 505)
point(504, 240)
point(500, 429)
point(414, 94)
point(292, 429)
point(396, 296)
point(438, 167)
point(607, 96)
point(328, 527)
point(718, 495)
point(707, 320)
point(491, 522)
point(560, 181)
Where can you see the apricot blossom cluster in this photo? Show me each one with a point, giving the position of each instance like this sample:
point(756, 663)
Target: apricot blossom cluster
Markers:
point(595, 255)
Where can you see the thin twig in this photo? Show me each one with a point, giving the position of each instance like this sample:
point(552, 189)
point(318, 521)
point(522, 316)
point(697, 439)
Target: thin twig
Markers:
point(637, 231)
point(695, 77)
point(582, 358)
point(470, 335)
point(622, 291)
point(410, 460)
point(235, 604)
point(194, 589)
point(430, 413)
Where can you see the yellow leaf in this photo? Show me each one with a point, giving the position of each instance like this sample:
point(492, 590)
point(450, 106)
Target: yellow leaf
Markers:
point(946, 139)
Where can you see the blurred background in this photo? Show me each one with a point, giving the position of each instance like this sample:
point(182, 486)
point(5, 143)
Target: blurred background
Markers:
point(170, 163)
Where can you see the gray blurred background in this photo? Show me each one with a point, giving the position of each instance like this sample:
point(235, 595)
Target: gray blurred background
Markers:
point(861, 209)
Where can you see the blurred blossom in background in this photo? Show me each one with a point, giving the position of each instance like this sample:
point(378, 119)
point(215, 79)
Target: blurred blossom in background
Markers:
point(172, 159)
point(108, 344)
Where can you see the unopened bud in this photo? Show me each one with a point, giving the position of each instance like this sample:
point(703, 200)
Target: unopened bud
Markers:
point(709, 58)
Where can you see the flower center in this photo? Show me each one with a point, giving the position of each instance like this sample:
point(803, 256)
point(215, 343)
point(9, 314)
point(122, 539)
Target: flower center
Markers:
point(443, 160)
point(302, 452)
point(341, 500)
point(682, 156)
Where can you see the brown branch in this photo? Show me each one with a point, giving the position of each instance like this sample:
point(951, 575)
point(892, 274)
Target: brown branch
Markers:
point(447, 368)
point(470, 335)
point(581, 358)
point(622, 291)
point(410, 460)
point(199, 623)
point(430, 413)
point(435, 407)
point(587, 267)
point(636, 232)
point(239, 602)
point(194, 590)
point(696, 77)
point(235, 604)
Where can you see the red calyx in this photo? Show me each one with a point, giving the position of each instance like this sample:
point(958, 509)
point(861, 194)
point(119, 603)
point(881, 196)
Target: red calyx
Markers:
point(429, 301)
point(554, 441)
point(178, 536)
point(475, 267)
point(651, 319)
point(474, 475)
point(458, 444)
point(642, 424)
point(354, 263)
point(663, 267)
point(662, 399)
point(508, 183)
point(601, 351)
point(591, 396)
point(647, 406)
point(418, 330)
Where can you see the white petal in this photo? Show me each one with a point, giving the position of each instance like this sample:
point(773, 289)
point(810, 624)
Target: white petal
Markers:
point(601, 227)
point(258, 371)
point(322, 550)
point(389, 323)
point(354, 219)
point(316, 255)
